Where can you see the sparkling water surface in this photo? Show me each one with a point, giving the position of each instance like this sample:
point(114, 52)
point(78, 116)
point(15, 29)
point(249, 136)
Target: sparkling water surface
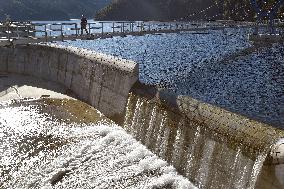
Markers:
point(39, 151)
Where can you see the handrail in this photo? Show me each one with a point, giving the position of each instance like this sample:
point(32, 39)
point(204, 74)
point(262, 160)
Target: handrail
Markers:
point(50, 31)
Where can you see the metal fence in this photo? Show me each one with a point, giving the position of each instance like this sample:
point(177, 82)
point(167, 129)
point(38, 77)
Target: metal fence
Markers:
point(27, 32)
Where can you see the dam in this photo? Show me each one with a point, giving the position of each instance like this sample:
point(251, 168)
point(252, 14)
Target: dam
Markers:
point(210, 146)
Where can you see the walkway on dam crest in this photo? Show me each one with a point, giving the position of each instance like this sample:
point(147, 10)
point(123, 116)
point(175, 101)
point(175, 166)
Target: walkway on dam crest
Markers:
point(24, 33)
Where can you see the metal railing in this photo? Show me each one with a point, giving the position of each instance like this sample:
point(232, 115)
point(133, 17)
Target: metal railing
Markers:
point(72, 30)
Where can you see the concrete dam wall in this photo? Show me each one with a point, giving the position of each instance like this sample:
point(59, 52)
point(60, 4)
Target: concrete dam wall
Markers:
point(212, 147)
point(100, 80)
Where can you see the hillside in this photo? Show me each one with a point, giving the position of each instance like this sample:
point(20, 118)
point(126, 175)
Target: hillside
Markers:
point(49, 9)
point(177, 10)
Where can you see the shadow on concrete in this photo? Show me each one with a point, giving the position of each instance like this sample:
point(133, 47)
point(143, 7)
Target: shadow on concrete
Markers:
point(16, 86)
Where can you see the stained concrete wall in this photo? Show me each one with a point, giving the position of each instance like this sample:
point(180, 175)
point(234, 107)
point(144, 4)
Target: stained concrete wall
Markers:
point(100, 80)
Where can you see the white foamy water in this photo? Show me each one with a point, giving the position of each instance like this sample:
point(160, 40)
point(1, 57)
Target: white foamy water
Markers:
point(38, 151)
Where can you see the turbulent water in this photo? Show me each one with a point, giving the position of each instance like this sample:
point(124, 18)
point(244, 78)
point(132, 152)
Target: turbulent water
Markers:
point(219, 67)
point(39, 151)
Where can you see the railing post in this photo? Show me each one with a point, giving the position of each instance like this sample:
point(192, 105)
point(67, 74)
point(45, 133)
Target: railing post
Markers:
point(129, 27)
point(45, 32)
point(102, 28)
point(61, 30)
point(76, 29)
point(89, 24)
point(29, 27)
point(142, 27)
point(9, 31)
point(27, 30)
point(138, 27)
point(34, 29)
point(18, 35)
point(50, 30)
point(112, 27)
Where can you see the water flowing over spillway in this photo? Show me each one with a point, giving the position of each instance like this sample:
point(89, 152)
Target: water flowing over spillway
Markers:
point(39, 150)
point(211, 159)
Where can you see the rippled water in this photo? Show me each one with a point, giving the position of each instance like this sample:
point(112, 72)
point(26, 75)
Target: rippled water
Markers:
point(252, 84)
point(220, 67)
point(165, 58)
point(39, 151)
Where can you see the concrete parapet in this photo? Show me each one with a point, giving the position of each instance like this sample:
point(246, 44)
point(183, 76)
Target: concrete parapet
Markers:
point(100, 80)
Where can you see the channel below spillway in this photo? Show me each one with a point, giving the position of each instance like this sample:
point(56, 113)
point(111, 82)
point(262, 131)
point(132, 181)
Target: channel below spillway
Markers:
point(212, 147)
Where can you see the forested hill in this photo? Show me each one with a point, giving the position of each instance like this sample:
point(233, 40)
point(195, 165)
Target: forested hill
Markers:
point(177, 9)
point(49, 9)
point(128, 9)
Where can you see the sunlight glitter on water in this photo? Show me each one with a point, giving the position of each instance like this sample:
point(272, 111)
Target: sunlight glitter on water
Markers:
point(38, 151)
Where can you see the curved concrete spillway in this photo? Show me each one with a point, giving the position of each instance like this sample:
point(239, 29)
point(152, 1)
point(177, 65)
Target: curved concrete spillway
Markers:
point(190, 134)
point(100, 80)
point(213, 147)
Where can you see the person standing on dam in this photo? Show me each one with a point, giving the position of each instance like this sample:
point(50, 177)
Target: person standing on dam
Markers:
point(84, 23)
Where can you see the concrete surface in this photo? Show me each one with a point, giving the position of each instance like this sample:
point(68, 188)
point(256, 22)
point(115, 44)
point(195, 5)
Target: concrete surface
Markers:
point(15, 87)
point(100, 80)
